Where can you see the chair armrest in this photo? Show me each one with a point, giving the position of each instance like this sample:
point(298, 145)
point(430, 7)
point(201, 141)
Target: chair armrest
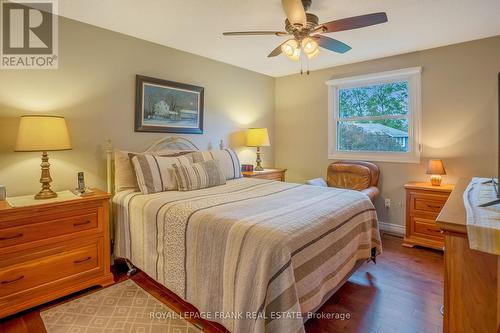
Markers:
point(317, 182)
point(372, 192)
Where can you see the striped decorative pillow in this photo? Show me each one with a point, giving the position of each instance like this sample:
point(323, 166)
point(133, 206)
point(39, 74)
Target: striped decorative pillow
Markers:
point(155, 173)
point(228, 161)
point(199, 175)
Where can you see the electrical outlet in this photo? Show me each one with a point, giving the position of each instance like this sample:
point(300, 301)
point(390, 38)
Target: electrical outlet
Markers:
point(387, 203)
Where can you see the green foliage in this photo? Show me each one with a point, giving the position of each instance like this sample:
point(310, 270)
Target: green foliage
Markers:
point(354, 138)
point(377, 100)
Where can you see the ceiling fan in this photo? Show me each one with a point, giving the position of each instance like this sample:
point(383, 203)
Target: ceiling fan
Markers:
point(307, 32)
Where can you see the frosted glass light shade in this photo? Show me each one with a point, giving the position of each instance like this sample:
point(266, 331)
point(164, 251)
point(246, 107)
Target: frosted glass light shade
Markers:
point(313, 54)
point(309, 45)
point(291, 49)
point(296, 55)
point(257, 137)
point(42, 133)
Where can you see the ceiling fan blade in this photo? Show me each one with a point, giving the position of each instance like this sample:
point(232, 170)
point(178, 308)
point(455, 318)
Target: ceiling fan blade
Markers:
point(332, 44)
point(276, 51)
point(355, 22)
point(295, 12)
point(252, 33)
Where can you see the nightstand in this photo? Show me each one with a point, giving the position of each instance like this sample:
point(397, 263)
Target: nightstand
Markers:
point(423, 205)
point(271, 174)
point(52, 249)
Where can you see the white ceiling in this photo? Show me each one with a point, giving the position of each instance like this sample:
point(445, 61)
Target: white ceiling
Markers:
point(196, 26)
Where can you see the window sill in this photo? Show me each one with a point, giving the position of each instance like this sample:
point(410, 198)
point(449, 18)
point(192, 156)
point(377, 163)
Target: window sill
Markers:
point(376, 157)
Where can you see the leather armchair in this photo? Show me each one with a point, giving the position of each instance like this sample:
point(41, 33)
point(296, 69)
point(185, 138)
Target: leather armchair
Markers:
point(354, 175)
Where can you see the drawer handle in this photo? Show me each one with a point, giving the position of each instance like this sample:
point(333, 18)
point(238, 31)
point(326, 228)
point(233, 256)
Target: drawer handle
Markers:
point(82, 260)
point(76, 224)
point(12, 237)
point(14, 280)
point(433, 206)
point(432, 230)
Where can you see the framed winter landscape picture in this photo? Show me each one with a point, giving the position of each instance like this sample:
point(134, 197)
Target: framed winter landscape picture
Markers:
point(168, 107)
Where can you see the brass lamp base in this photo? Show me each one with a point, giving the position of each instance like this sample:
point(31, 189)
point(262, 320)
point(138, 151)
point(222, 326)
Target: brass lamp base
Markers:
point(46, 194)
point(45, 180)
point(258, 167)
point(435, 180)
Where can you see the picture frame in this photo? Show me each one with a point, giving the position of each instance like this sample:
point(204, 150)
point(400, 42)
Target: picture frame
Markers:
point(168, 107)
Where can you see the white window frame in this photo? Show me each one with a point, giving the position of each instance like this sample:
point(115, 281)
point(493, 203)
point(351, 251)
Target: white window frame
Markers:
point(413, 77)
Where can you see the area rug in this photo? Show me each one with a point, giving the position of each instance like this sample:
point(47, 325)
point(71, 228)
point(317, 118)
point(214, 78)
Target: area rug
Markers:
point(123, 307)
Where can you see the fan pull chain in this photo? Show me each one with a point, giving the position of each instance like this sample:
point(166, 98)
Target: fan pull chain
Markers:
point(301, 70)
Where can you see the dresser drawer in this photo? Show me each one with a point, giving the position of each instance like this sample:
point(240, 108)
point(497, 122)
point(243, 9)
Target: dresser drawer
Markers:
point(271, 176)
point(38, 271)
point(427, 203)
point(48, 229)
point(423, 205)
point(51, 250)
point(427, 227)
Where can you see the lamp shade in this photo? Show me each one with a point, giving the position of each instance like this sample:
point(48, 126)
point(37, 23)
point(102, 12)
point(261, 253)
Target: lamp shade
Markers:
point(435, 167)
point(42, 133)
point(257, 137)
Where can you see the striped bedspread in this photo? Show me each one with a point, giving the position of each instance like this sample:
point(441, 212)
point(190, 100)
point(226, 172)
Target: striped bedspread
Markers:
point(254, 255)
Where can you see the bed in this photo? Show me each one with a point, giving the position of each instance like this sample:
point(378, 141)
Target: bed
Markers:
point(254, 255)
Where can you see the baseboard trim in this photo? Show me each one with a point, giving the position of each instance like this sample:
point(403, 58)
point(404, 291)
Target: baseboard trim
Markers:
point(392, 228)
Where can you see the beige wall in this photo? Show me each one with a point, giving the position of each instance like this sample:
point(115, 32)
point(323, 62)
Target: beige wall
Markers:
point(94, 88)
point(459, 92)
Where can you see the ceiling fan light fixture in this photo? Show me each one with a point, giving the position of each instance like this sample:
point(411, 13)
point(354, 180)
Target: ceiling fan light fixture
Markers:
point(307, 31)
point(291, 49)
point(313, 54)
point(310, 46)
point(288, 48)
point(296, 55)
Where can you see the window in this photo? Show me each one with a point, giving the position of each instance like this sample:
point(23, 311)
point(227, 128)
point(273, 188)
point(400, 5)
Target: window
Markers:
point(375, 117)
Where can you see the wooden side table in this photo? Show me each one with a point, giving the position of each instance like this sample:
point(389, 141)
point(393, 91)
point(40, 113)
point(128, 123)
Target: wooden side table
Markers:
point(50, 250)
point(271, 174)
point(423, 205)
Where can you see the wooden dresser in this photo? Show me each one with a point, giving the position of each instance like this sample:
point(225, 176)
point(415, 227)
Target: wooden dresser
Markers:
point(423, 204)
point(271, 174)
point(471, 278)
point(52, 250)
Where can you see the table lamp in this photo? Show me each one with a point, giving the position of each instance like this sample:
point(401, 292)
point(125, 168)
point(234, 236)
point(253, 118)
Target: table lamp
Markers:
point(435, 168)
point(43, 134)
point(258, 137)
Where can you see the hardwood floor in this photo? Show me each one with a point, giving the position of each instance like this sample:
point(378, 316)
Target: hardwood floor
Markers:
point(402, 293)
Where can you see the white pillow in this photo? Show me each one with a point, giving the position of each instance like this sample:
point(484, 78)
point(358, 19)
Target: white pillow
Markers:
point(155, 173)
point(125, 177)
point(317, 182)
point(228, 161)
point(124, 172)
